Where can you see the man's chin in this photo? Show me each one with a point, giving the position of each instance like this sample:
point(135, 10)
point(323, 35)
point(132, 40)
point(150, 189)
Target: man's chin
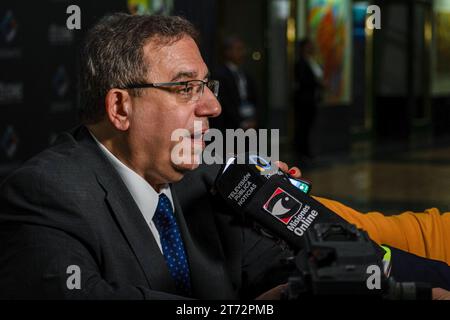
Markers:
point(188, 162)
point(185, 165)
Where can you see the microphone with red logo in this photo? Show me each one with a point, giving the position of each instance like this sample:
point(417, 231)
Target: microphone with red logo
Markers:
point(278, 203)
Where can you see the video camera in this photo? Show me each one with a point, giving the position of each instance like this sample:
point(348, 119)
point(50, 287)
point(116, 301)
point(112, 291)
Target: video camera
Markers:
point(340, 259)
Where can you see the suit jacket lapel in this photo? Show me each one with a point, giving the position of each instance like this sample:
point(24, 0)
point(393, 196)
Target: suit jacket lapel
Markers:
point(130, 220)
point(208, 277)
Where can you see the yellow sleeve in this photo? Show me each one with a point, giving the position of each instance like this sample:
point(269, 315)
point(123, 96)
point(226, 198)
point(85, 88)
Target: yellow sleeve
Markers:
point(425, 234)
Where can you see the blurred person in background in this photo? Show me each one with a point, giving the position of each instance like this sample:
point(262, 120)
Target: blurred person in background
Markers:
point(308, 90)
point(237, 93)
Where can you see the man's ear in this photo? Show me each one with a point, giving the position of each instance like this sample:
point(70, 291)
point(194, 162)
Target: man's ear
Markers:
point(118, 106)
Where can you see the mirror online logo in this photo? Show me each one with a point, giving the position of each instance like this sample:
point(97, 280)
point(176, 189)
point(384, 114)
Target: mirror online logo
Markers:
point(282, 205)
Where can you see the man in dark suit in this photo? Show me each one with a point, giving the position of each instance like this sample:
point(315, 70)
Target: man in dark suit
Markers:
point(107, 212)
point(237, 94)
point(96, 216)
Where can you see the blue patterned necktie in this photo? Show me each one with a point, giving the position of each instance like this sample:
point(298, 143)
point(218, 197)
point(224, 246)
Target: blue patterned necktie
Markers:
point(172, 245)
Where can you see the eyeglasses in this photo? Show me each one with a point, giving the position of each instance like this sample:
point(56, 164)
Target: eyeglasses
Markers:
point(187, 91)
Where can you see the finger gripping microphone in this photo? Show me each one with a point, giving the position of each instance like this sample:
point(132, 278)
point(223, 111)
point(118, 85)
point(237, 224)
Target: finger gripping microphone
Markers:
point(266, 195)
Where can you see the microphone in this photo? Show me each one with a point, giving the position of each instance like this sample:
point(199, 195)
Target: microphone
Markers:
point(278, 203)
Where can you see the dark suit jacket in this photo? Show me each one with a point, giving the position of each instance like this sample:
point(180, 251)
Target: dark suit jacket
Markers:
point(68, 206)
point(307, 82)
point(230, 99)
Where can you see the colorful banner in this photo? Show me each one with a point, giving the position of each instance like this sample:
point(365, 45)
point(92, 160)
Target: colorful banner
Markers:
point(150, 6)
point(329, 28)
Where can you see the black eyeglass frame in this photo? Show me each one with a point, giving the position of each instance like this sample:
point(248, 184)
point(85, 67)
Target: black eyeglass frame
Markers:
point(161, 85)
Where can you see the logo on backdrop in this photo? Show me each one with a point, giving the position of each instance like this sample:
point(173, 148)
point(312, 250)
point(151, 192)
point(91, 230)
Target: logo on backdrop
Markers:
point(9, 142)
point(60, 89)
point(11, 92)
point(282, 205)
point(8, 27)
point(60, 82)
point(8, 36)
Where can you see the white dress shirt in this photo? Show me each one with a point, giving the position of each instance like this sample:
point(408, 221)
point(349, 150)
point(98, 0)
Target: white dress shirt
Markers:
point(241, 80)
point(246, 109)
point(143, 193)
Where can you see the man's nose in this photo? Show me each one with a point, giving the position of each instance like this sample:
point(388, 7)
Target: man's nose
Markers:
point(208, 105)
